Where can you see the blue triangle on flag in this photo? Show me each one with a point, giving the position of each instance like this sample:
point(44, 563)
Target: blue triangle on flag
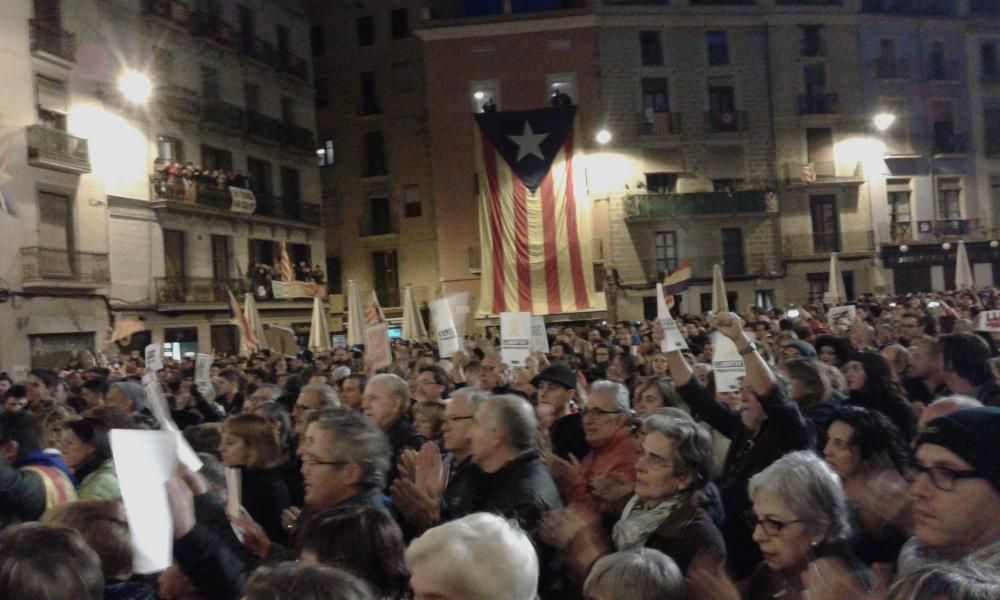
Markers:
point(528, 140)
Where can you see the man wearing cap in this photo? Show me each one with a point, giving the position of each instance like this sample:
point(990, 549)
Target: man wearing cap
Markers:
point(956, 495)
point(556, 387)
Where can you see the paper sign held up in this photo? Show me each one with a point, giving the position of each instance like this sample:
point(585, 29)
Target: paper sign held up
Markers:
point(444, 326)
point(989, 320)
point(727, 364)
point(673, 340)
point(539, 337)
point(154, 357)
point(837, 313)
point(515, 337)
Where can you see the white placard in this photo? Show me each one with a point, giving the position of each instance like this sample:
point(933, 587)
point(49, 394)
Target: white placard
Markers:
point(203, 368)
point(836, 313)
point(234, 491)
point(727, 364)
point(444, 327)
point(243, 200)
point(539, 337)
point(154, 357)
point(515, 337)
point(988, 320)
point(673, 340)
point(144, 461)
point(161, 412)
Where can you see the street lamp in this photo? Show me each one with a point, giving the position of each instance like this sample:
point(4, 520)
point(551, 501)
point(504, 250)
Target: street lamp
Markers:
point(884, 121)
point(603, 137)
point(135, 86)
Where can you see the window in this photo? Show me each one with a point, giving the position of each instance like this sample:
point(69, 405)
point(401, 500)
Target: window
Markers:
point(317, 40)
point(661, 183)
point(938, 64)
point(284, 43)
point(386, 277)
point(989, 61)
point(216, 158)
point(411, 202)
point(288, 111)
point(210, 88)
point(290, 193)
point(334, 277)
point(666, 252)
point(55, 230)
point(900, 216)
point(326, 154)
point(402, 77)
point(949, 190)
point(887, 66)
point(483, 95)
point(53, 102)
point(174, 259)
point(705, 299)
point(825, 223)
point(819, 284)
point(945, 140)
point(374, 154)
point(379, 216)
point(261, 251)
point(991, 122)
point(225, 339)
point(366, 31)
point(322, 88)
point(369, 95)
point(220, 257)
point(655, 98)
point(169, 148)
point(995, 195)
point(259, 173)
point(764, 299)
point(562, 89)
point(812, 40)
point(718, 47)
point(400, 21)
point(251, 96)
point(897, 137)
point(722, 108)
point(732, 252)
point(650, 48)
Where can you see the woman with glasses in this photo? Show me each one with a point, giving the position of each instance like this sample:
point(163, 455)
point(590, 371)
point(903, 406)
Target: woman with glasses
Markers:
point(673, 466)
point(612, 449)
point(868, 453)
point(799, 519)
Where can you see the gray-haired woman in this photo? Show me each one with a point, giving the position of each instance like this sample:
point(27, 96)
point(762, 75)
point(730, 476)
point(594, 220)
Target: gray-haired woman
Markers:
point(643, 574)
point(799, 518)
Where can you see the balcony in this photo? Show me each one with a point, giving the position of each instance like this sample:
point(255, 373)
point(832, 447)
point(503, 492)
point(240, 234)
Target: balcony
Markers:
point(818, 104)
point(811, 245)
point(647, 207)
point(926, 8)
point(53, 41)
point(754, 264)
point(299, 138)
point(264, 127)
point(951, 144)
point(949, 70)
point(172, 12)
point(53, 149)
point(207, 198)
point(180, 104)
point(58, 267)
point(222, 114)
point(198, 290)
point(257, 49)
point(660, 124)
point(891, 68)
point(726, 121)
point(822, 172)
point(295, 66)
point(376, 227)
point(213, 28)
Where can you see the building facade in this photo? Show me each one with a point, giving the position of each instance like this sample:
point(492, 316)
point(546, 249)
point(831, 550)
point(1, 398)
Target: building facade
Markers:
point(154, 210)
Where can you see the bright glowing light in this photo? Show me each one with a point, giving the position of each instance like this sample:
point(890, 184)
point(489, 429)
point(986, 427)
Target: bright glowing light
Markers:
point(479, 95)
point(904, 248)
point(603, 137)
point(884, 121)
point(946, 246)
point(994, 244)
point(135, 86)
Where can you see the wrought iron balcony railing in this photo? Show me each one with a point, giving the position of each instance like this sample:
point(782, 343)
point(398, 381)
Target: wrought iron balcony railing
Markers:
point(40, 265)
point(673, 206)
point(198, 290)
point(726, 121)
point(660, 123)
point(58, 150)
point(818, 243)
point(52, 40)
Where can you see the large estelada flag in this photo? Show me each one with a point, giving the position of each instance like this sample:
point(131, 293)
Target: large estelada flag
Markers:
point(534, 213)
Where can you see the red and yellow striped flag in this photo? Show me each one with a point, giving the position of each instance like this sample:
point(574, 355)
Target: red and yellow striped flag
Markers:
point(676, 282)
point(285, 267)
point(534, 213)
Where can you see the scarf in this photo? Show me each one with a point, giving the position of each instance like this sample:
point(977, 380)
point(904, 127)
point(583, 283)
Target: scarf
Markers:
point(638, 523)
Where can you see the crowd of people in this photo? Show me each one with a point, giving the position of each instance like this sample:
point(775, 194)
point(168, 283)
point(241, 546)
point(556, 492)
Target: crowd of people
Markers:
point(857, 460)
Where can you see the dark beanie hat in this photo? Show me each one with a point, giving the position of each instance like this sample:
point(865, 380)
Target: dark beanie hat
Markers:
point(973, 435)
point(557, 374)
point(805, 349)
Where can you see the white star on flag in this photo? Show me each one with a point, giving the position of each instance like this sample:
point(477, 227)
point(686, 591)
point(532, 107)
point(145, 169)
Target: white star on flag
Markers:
point(528, 142)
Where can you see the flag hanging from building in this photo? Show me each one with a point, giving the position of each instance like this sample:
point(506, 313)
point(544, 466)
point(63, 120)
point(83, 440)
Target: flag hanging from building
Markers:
point(534, 213)
point(285, 266)
point(676, 282)
point(248, 341)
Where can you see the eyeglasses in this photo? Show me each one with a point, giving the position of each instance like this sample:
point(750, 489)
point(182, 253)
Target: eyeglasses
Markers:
point(310, 461)
point(944, 478)
point(652, 460)
point(598, 412)
point(453, 419)
point(770, 526)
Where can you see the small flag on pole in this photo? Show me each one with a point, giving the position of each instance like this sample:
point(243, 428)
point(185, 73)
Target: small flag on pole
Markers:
point(676, 282)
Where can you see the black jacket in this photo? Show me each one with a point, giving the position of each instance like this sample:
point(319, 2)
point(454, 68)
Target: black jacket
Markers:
point(568, 438)
point(523, 490)
point(464, 481)
point(22, 495)
point(402, 436)
point(265, 496)
point(785, 430)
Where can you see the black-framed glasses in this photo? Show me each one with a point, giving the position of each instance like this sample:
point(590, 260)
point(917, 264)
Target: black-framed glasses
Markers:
point(944, 478)
point(770, 526)
point(598, 412)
